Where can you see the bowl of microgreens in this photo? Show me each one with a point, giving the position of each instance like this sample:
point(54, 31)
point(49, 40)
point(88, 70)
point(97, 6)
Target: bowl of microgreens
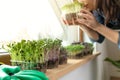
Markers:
point(28, 54)
point(78, 50)
point(70, 11)
point(52, 50)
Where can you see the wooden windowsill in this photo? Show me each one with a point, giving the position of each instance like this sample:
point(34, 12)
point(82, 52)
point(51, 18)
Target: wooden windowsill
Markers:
point(72, 64)
point(115, 78)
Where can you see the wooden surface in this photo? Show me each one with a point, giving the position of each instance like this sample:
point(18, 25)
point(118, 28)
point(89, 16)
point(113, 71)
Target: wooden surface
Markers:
point(55, 74)
point(115, 78)
point(5, 58)
point(81, 35)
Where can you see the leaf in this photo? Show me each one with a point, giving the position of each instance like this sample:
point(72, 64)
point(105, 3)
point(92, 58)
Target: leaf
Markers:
point(113, 62)
point(74, 48)
point(72, 7)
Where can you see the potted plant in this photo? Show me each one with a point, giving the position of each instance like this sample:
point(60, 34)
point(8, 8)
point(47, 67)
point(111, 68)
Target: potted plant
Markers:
point(70, 10)
point(75, 51)
point(79, 49)
point(88, 47)
point(115, 63)
point(27, 54)
point(63, 56)
point(52, 50)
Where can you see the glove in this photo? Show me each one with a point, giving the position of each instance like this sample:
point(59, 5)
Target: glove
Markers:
point(14, 73)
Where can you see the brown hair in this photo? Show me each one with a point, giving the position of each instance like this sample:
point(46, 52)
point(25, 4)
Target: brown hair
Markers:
point(110, 9)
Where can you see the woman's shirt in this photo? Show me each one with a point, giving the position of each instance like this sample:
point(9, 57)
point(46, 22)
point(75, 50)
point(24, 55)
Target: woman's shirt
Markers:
point(112, 24)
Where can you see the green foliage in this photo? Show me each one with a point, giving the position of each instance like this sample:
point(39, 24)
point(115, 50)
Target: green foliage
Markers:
point(50, 43)
point(90, 44)
point(116, 63)
point(57, 43)
point(74, 49)
point(52, 48)
point(26, 50)
point(72, 7)
point(31, 50)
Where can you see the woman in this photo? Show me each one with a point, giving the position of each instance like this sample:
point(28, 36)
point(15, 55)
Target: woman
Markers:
point(98, 17)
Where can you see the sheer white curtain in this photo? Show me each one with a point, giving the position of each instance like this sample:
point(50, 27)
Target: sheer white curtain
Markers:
point(71, 32)
point(28, 19)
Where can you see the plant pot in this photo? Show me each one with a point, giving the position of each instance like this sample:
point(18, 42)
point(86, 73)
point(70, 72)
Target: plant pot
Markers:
point(68, 18)
point(62, 59)
point(88, 47)
point(53, 58)
point(63, 56)
point(52, 63)
point(30, 65)
point(77, 55)
point(41, 67)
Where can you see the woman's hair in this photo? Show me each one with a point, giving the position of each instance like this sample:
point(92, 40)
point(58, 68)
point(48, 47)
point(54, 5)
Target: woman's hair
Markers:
point(110, 9)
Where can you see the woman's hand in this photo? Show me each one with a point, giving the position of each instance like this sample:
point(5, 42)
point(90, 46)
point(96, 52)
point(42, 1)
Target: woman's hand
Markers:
point(72, 20)
point(78, 21)
point(87, 19)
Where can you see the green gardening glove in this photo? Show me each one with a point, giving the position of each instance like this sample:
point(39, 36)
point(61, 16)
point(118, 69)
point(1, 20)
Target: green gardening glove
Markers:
point(13, 73)
point(7, 70)
point(10, 69)
point(31, 75)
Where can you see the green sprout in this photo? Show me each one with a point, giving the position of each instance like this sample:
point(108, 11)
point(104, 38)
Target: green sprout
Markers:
point(72, 7)
point(74, 49)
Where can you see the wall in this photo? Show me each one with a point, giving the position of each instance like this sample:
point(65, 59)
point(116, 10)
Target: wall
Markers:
point(106, 70)
point(84, 72)
point(114, 53)
point(107, 49)
point(103, 71)
point(102, 67)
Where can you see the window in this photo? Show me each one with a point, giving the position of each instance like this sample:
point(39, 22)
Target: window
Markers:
point(73, 33)
point(28, 19)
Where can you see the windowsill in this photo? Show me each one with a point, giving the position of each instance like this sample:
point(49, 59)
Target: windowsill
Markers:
point(72, 64)
point(5, 58)
point(3, 51)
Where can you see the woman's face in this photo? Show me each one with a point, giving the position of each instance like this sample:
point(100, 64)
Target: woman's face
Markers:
point(89, 4)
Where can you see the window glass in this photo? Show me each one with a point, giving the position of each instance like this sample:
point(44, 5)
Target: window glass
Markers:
point(27, 19)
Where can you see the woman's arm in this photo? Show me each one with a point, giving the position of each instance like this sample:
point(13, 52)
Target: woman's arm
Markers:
point(108, 33)
point(91, 33)
point(90, 21)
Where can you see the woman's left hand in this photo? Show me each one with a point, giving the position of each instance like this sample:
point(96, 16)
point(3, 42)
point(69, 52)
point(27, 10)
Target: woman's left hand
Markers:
point(87, 19)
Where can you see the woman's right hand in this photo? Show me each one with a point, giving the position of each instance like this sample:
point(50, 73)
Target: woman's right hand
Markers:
point(88, 20)
point(90, 32)
point(74, 21)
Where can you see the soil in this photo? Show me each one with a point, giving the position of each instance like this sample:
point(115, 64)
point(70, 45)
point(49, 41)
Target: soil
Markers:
point(77, 56)
point(41, 67)
point(63, 60)
point(53, 58)
point(52, 63)
point(63, 56)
